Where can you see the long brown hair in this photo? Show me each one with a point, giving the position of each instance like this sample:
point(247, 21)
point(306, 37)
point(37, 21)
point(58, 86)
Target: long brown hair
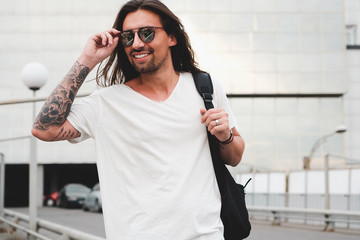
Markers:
point(118, 69)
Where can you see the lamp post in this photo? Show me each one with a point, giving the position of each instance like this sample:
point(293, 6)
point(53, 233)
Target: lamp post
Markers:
point(339, 130)
point(327, 192)
point(34, 75)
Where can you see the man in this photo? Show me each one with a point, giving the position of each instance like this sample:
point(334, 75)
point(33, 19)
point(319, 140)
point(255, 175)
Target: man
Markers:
point(153, 158)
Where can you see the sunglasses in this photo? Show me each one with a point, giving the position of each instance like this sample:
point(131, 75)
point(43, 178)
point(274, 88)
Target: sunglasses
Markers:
point(146, 34)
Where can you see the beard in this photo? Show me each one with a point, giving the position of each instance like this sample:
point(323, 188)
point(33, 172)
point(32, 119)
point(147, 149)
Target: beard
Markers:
point(149, 67)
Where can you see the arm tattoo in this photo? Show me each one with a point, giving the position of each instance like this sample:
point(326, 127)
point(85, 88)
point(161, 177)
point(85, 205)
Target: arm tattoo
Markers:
point(57, 107)
point(66, 135)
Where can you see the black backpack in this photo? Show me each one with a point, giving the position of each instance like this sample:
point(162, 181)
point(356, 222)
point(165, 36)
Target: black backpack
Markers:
point(234, 214)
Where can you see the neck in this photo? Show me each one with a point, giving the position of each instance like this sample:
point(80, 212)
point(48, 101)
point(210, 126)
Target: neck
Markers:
point(156, 86)
point(157, 80)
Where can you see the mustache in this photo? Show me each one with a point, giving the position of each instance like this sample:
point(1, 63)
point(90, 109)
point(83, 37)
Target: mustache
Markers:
point(150, 50)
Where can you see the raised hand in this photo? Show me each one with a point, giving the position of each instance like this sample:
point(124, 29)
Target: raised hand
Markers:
point(98, 47)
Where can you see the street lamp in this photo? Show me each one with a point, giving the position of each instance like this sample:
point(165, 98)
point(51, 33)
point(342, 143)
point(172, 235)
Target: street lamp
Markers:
point(339, 130)
point(34, 75)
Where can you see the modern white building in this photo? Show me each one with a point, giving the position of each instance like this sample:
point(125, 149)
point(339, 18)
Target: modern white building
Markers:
point(284, 64)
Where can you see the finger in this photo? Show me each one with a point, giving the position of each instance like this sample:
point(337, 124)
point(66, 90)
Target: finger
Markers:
point(103, 39)
point(221, 117)
point(112, 46)
point(221, 124)
point(207, 113)
point(116, 40)
point(219, 127)
point(202, 112)
point(212, 125)
point(114, 31)
point(221, 132)
point(109, 38)
point(97, 39)
point(211, 119)
point(218, 131)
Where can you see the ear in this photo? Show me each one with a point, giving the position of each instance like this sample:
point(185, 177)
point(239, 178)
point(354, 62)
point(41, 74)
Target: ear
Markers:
point(172, 40)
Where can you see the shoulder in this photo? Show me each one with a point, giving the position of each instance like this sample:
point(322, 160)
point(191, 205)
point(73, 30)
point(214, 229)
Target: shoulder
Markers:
point(100, 94)
point(216, 83)
point(219, 95)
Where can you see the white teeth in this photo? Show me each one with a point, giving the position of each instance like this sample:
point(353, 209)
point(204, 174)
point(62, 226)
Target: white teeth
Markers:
point(140, 56)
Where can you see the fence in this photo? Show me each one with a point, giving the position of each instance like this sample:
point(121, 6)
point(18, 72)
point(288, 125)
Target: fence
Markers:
point(326, 218)
point(15, 224)
point(316, 201)
point(304, 197)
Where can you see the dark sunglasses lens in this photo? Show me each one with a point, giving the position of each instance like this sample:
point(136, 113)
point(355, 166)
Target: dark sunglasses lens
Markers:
point(146, 34)
point(127, 38)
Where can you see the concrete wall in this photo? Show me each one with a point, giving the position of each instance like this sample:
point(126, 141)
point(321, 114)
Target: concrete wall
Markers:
point(352, 17)
point(352, 106)
point(272, 47)
point(352, 97)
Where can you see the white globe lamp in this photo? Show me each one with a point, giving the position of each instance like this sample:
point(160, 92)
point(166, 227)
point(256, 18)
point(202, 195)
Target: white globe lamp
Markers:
point(34, 75)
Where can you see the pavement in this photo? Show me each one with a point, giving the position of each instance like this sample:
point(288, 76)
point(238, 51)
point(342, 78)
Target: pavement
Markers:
point(261, 230)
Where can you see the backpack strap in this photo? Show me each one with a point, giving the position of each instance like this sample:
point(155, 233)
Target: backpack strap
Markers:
point(205, 88)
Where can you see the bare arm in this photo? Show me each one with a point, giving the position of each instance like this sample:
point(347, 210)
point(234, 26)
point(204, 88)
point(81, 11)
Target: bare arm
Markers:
point(51, 123)
point(232, 152)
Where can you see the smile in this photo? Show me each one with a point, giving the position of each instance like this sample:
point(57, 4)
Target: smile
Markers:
point(141, 55)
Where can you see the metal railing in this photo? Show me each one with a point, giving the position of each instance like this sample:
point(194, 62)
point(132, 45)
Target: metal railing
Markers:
point(327, 218)
point(11, 223)
point(47, 230)
point(33, 99)
point(307, 209)
point(349, 202)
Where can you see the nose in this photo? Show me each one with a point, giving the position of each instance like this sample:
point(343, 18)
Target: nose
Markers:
point(137, 42)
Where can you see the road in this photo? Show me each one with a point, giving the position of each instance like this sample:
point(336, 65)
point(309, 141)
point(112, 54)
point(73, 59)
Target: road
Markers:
point(266, 231)
point(93, 223)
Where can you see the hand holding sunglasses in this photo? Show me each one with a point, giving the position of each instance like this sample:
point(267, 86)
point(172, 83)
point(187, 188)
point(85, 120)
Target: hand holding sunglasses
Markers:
point(146, 34)
point(99, 46)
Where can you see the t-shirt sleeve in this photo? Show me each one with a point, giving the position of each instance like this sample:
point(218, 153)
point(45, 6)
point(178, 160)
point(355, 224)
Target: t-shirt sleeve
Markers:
point(84, 116)
point(221, 101)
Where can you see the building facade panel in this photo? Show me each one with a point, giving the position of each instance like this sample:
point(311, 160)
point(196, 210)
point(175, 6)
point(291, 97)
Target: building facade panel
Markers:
point(253, 47)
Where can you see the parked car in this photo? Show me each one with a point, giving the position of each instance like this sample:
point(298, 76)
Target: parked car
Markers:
point(51, 199)
point(93, 200)
point(72, 195)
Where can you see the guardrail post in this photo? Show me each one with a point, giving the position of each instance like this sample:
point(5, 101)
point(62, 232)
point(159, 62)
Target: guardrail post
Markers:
point(329, 223)
point(277, 218)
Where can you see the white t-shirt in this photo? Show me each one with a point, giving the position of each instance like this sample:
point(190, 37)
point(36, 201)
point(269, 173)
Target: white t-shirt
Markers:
point(154, 163)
